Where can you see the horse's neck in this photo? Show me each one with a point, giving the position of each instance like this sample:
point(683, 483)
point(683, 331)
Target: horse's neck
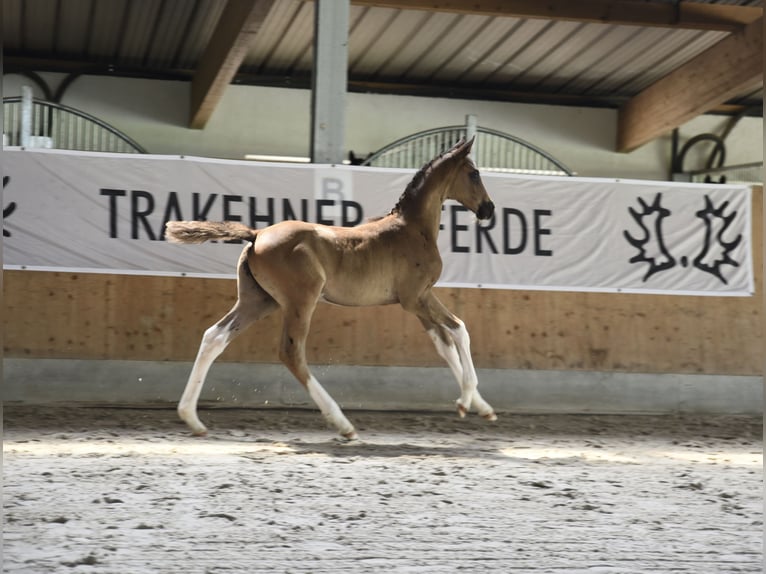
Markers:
point(425, 209)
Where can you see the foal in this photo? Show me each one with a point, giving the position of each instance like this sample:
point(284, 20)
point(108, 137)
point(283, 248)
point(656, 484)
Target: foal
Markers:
point(394, 259)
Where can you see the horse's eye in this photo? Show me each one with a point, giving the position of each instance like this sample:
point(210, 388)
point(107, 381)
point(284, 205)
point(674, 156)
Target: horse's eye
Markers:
point(474, 175)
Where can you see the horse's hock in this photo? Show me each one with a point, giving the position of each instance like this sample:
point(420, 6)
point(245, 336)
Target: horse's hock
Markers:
point(97, 338)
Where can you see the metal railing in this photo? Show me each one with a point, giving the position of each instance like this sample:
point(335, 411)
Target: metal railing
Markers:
point(749, 173)
point(37, 123)
point(492, 151)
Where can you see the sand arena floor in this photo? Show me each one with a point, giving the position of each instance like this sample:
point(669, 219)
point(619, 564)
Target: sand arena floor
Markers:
point(129, 491)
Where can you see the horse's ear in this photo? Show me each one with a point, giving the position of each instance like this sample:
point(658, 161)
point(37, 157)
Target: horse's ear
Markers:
point(462, 148)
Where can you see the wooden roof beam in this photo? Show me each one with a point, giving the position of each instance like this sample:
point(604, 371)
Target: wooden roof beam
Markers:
point(233, 35)
point(721, 17)
point(732, 66)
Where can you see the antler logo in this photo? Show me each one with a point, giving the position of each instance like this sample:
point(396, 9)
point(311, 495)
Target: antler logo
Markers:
point(7, 211)
point(715, 251)
point(651, 247)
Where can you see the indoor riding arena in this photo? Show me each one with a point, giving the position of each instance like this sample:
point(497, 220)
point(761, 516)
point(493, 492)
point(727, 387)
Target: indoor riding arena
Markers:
point(488, 295)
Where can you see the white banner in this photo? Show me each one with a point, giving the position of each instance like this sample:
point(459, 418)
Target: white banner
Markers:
point(105, 213)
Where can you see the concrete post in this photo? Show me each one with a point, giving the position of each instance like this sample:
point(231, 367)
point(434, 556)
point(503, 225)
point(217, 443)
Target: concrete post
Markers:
point(26, 116)
point(328, 96)
point(470, 131)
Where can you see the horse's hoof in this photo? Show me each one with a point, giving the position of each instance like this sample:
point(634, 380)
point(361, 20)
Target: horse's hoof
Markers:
point(461, 410)
point(197, 429)
point(350, 436)
point(489, 416)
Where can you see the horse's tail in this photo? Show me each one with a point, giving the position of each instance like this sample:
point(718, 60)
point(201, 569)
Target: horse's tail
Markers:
point(201, 231)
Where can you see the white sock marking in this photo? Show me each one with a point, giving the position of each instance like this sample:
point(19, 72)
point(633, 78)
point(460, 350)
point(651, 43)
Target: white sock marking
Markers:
point(329, 407)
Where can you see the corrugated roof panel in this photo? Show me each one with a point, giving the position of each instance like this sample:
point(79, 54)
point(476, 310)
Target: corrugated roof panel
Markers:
point(199, 29)
point(12, 23)
point(295, 41)
point(107, 28)
point(538, 48)
point(388, 44)
point(72, 32)
point(547, 53)
point(679, 47)
point(445, 48)
point(374, 32)
point(138, 31)
point(432, 26)
point(520, 36)
point(271, 33)
point(732, 2)
point(490, 32)
point(754, 95)
point(39, 27)
point(486, 53)
point(173, 20)
point(303, 64)
point(599, 55)
point(610, 68)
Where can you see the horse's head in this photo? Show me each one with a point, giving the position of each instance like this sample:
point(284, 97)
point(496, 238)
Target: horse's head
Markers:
point(465, 185)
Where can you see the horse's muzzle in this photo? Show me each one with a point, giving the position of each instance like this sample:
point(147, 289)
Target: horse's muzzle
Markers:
point(486, 210)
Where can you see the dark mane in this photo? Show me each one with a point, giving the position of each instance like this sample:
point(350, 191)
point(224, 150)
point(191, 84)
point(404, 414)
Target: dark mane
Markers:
point(414, 186)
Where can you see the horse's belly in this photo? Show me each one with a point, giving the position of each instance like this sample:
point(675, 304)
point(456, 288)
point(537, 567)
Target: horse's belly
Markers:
point(359, 293)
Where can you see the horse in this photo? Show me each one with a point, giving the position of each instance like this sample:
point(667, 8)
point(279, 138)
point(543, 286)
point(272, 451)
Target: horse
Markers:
point(293, 265)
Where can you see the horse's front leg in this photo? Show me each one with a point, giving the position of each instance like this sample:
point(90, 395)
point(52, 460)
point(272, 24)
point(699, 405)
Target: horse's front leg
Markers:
point(470, 392)
point(293, 354)
point(453, 343)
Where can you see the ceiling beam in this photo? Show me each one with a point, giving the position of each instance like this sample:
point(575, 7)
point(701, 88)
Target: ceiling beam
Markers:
point(732, 66)
point(233, 35)
point(722, 17)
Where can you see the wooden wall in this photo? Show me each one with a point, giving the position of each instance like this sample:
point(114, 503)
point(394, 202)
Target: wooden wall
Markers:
point(92, 316)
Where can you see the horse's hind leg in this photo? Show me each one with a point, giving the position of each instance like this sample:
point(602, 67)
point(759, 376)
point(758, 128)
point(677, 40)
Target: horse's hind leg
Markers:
point(292, 353)
point(252, 304)
point(453, 344)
